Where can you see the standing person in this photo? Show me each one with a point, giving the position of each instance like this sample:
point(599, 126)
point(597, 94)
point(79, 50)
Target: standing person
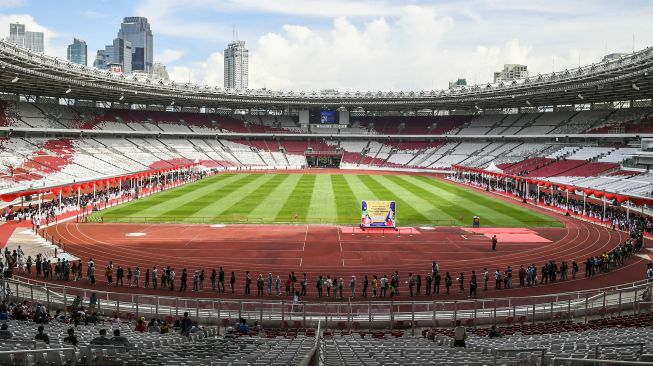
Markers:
point(109, 274)
point(129, 276)
point(418, 282)
point(318, 285)
point(260, 283)
point(429, 280)
point(120, 275)
point(137, 277)
point(340, 288)
point(384, 285)
point(196, 281)
point(277, 285)
point(486, 278)
point(171, 279)
point(411, 283)
point(147, 278)
point(328, 284)
point(221, 280)
point(365, 284)
point(574, 269)
point(375, 285)
point(288, 284)
point(232, 281)
point(214, 279)
point(497, 279)
point(522, 276)
point(90, 272)
point(202, 280)
point(154, 273)
point(183, 284)
point(447, 281)
point(460, 335)
point(248, 283)
point(270, 281)
point(436, 283)
point(352, 286)
point(473, 285)
point(304, 284)
point(494, 243)
point(461, 282)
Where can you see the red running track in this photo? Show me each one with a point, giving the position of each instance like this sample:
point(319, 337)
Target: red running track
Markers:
point(328, 250)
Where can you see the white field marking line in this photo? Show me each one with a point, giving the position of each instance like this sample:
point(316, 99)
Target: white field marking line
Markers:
point(340, 243)
point(305, 236)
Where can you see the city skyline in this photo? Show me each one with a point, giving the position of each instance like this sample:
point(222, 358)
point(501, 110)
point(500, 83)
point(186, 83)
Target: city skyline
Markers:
point(351, 45)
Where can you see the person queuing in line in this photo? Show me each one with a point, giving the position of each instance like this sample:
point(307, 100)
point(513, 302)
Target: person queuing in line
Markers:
point(551, 271)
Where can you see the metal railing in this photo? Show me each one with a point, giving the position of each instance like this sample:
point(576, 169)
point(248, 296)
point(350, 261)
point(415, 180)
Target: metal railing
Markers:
point(581, 305)
point(541, 351)
point(21, 356)
point(313, 356)
point(564, 361)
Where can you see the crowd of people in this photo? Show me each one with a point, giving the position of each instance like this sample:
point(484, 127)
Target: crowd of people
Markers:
point(81, 314)
point(90, 199)
point(429, 283)
point(424, 283)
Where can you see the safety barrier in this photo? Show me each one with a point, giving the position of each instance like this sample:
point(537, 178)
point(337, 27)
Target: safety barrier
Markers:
point(351, 313)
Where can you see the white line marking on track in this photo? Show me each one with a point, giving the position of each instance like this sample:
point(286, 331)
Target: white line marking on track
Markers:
point(305, 236)
point(301, 260)
point(340, 243)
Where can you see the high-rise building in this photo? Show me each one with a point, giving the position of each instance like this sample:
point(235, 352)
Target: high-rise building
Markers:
point(236, 66)
point(101, 59)
point(20, 36)
point(511, 72)
point(78, 52)
point(159, 71)
point(136, 31)
point(118, 53)
point(123, 55)
point(457, 84)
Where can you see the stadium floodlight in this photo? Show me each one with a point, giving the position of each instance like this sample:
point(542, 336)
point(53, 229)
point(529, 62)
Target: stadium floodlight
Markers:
point(68, 91)
point(635, 87)
point(580, 96)
point(15, 79)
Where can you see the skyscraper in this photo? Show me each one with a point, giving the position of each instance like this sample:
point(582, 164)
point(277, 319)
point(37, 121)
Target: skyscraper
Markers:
point(30, 40)
point(123, 55)
point(511, 72)
point(136, 30)
point(118, 53)
point(236, 66)
point(77, 52)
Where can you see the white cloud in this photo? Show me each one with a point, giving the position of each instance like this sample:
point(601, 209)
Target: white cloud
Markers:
point(169, 55)
point(208, 72)
point(91, 14)
point(12, 3)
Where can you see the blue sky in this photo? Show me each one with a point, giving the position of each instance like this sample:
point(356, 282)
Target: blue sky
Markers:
point(352, 44)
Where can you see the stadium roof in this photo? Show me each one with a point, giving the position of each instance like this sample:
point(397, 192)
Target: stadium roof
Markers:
point(29, 73)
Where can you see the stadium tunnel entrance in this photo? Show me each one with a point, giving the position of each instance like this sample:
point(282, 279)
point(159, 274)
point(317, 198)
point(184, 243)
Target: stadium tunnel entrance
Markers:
point(318, 160)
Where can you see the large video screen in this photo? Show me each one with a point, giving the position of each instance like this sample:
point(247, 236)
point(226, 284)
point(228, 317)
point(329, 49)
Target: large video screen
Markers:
point(378, 214)
point(323, 116)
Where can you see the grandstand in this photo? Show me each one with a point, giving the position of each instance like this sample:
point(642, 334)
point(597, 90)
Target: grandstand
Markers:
point(573, 146)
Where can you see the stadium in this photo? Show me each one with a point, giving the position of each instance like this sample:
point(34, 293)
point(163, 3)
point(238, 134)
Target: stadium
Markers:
point(528, 200)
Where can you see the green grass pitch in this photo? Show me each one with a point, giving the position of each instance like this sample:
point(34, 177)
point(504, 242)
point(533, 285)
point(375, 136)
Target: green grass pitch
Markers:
point(322, 199)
